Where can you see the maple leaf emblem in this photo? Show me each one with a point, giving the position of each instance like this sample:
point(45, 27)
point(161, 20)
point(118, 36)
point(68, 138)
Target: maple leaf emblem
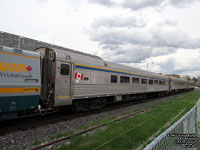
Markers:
point(28, 68)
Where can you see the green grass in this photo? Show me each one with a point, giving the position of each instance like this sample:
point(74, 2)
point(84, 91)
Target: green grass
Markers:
point(23, 147)
point(132, 132)
point(37, 142)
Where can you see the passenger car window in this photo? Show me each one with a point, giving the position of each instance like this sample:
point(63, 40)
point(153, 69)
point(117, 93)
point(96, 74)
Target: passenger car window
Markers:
point(155, 81)
point(136, 80)
point(144, 81)
point(160, 82)
point(124, 79)
point(150, 81)
point(64, 69)
point(113, 79)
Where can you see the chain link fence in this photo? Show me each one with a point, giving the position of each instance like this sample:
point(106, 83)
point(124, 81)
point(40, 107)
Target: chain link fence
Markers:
point(181, 135)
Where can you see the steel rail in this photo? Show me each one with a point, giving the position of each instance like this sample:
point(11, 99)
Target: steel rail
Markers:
point(87, 130)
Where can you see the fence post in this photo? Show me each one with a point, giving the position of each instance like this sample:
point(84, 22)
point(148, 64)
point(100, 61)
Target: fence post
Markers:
point(198, 117)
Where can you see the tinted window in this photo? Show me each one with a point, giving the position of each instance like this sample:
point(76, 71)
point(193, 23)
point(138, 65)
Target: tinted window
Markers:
point(150, 81)
point(64, 69)
point(155, 81)
point(136, 80)
point(113, 79)
point(160, 82)
point(163, 82)
point(86, 78)
point(124, 79)
point(144, 81)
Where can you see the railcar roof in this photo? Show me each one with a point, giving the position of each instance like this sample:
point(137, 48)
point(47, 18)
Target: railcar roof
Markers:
point(135, 70)
point(78, 57)
point(18, 51)
point(74, 51)
point(177, 79)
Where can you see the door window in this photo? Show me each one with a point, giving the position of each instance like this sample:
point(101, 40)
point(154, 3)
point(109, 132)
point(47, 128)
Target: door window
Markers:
point(64, 69)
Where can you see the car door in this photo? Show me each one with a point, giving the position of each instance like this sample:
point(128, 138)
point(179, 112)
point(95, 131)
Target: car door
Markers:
point(63, 84)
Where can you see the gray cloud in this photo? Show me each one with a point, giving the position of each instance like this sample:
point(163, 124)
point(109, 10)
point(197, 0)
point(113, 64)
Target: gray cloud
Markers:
point(182, 61)
point(182, 3)
point(139, 4)
point(127, 55)
point(175, 39)
point(118, 21)
point(156, 38)
point(108, 3)
point(168, 23)
point(115, 36)
point(134, 53)
point(126, 44)
point(128, 40)
point(159, 51)
point(132, 4)
point(168, 66)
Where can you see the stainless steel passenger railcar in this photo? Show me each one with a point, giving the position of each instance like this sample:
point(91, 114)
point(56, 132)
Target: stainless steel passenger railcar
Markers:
point(178, 85)
point(88, 82)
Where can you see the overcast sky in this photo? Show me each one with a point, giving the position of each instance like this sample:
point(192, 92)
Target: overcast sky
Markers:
point(165, 34)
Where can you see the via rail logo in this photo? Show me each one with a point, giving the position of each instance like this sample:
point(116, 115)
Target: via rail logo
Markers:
point(13, 67)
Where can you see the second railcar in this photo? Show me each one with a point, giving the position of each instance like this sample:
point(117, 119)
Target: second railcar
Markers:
point(87, 82)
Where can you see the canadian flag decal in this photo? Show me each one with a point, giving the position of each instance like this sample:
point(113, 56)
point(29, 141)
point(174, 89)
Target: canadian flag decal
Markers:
point(28, 68)
point(78, 76)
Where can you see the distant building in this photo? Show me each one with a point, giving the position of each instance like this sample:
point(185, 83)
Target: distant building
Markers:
point(174, 75)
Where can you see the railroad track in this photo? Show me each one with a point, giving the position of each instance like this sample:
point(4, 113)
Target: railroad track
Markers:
point(87, 130)
point(31, 122)
point(23, 124)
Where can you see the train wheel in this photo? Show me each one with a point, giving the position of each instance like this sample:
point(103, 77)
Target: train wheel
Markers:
point(81, 105)
point(97, 103)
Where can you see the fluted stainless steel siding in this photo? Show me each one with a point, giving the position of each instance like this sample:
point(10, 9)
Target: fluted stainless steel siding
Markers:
point(83, 90)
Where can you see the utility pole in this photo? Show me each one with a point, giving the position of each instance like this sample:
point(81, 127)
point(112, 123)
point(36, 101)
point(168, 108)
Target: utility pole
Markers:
point(148, 65)
point(18, 46)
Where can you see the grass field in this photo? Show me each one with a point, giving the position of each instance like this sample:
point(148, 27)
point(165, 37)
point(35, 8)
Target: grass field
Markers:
point(132, 132)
